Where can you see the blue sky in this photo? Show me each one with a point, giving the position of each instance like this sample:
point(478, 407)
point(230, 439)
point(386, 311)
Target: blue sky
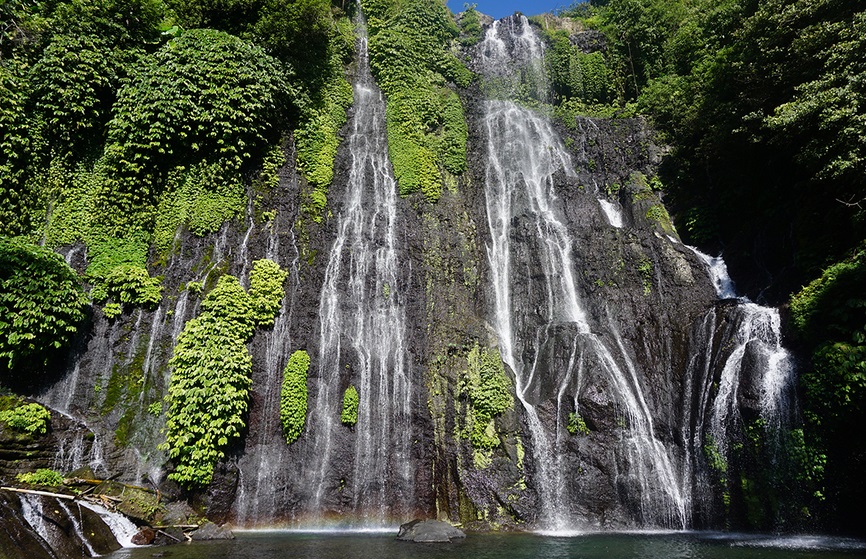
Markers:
point(502, 8)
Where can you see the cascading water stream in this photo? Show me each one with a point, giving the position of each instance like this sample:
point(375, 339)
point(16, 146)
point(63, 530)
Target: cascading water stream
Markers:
point(260, 488)
point(758, 332)
point(524, 154)
point(363, 332)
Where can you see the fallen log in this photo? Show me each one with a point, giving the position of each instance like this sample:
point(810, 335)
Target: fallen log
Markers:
point(41, 493)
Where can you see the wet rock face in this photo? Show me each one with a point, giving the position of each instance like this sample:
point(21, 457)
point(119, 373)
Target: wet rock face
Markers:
point(33, 526)
point(23, 452)
point(17, 538)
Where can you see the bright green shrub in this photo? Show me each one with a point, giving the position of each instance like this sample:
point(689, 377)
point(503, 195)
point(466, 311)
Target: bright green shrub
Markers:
point(105, 253)
point(471, 31)
point(410, 57)
point(41, 303)
point(293, 397)
point(42, 476)
point(15, 145)
point(489, 391)
point(266, 290)
point(349, 415)
point(202, 197)
point(133, 285)
point(209, 390)
point(576, 424)
point(27, 418)
point(832, 306)
point(73, 88)
point(324, 115)
point(76, 215)
point(205, 95)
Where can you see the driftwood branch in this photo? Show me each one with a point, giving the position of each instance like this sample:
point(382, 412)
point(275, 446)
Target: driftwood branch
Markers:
point(851, 203)
point(168, 535)
point(41, 493)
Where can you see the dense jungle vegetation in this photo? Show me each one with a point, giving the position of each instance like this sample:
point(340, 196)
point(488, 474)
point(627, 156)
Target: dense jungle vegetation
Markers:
point(123, 120)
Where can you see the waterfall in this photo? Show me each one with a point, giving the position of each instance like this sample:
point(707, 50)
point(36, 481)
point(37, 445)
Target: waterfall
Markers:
point(363, 334)
point(756, 333)
point(527, 232)
point(122, 527)
point(261, 486)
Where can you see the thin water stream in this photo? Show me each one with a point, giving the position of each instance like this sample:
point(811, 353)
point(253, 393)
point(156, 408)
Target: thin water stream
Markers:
point(363, 332)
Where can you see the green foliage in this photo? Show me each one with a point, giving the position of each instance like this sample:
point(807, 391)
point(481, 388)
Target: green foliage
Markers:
point(322, 118)
point(106, 253)
point(293, 397)
point(202, 197)
point(41, 304)
point(112, 310)
point(205, 95)
point(155, 409)
point(715, 459)
point(577, 76)
point(471, 31)
point(42, 476)
point(576, 424)
point(133, 285)
point(489, 392)
point(117, 272)
point(645, 269)
point(409, 56)
point(74, 84)
point(27, 418)
point(349, 415)
point(809, 463)
point(15, 143)
point(209, 391)
point(832, 306)
point(266, 290)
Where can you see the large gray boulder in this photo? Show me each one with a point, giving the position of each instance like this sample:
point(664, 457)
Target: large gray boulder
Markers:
point(428, 531)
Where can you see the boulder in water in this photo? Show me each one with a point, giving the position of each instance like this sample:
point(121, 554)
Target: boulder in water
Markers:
point(428, 531)
point(145, 536)
point(210, 531)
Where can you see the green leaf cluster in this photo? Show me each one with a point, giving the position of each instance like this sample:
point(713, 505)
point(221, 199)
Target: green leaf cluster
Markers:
point(577, 76)
point(133, 285)
point(41, 304)
point(208, 395)
point(412, 62)
point(761, 104)
point(471, 31)
point(30, 418)
point(829, 316)
point(576, 424)
point(490, 394)
point(43, 476)
point(61, 66)
point(349, 415)
point(202, 197)
point(293, 396)
point(266, 290)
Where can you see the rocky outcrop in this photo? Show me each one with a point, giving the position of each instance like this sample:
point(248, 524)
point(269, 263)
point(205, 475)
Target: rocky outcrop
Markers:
point(210, 531)
point(37, 526)
point(429, 531)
